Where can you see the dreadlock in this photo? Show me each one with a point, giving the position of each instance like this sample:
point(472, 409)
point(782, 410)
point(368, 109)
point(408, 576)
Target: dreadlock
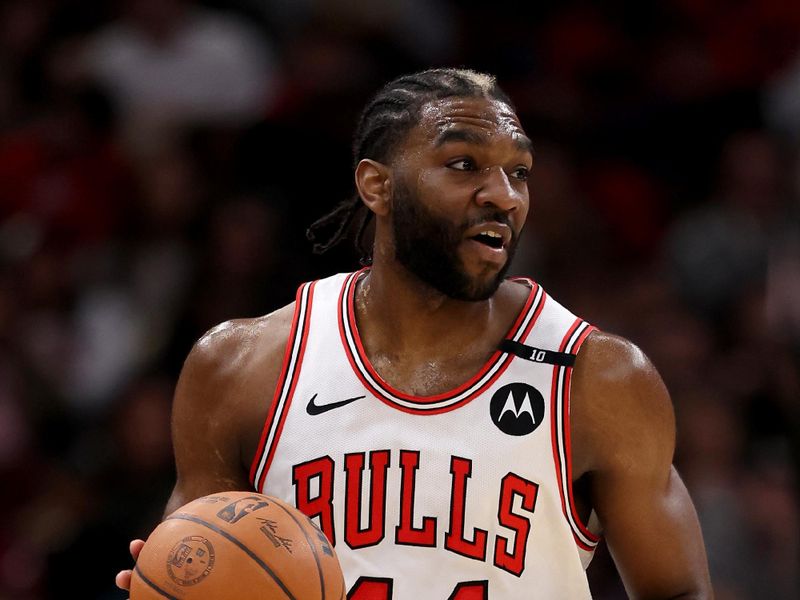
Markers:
point(384, 123)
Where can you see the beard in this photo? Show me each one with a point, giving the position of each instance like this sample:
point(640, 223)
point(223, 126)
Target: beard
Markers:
point(427, 245)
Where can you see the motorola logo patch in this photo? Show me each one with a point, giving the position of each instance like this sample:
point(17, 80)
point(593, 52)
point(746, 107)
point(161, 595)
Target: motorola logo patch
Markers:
point(517, 408)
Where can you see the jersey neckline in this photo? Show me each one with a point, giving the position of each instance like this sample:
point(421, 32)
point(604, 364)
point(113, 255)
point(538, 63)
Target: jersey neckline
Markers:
point(446, 401)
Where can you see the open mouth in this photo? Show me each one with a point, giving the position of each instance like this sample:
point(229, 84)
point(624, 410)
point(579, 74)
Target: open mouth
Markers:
point(491, 239)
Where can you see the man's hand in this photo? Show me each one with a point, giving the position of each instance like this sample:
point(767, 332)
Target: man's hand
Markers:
point(124, 577)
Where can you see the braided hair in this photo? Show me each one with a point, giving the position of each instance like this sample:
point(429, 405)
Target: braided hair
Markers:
point(383, 125)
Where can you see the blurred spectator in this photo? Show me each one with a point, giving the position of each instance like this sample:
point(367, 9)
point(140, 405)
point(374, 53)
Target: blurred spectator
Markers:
point(64, 193)
point(61, 177)
point(710, 433)
point(240, 273)
point(124, 463)
point(422, 28)
point(783, 275)
point(719, 251)
point(170, 62)
point(783, 285)
point(782, 100)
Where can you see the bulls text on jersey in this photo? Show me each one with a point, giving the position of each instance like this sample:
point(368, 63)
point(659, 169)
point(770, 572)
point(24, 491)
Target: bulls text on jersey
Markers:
point(507, 553)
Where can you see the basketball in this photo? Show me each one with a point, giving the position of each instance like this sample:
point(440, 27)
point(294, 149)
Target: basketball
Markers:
point(237, 545)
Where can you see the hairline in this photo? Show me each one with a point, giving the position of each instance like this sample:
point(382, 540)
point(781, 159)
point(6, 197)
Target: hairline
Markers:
point(523, 142)
point(481, 93)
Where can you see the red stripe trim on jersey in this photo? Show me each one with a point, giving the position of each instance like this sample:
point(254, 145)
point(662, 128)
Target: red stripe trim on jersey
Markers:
point(436, 404)
point(437, 397)
point(342, 334)
point(560, 435)
point(583, 545)
point(568, 442)
point(295, 377)
point(387, 387)
point(289, 375)
point(554, 429)
point(287, 353)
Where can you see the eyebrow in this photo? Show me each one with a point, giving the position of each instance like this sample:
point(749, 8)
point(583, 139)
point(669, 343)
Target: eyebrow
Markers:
point(471, 136)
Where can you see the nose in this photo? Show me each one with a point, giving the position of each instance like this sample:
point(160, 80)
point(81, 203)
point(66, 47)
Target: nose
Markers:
point(498, 190)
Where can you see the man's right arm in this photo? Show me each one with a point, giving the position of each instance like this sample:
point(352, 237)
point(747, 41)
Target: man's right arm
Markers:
point(220, 404)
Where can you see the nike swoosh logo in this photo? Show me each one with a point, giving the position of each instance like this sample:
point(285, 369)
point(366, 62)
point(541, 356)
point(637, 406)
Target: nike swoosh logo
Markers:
point(317, 409)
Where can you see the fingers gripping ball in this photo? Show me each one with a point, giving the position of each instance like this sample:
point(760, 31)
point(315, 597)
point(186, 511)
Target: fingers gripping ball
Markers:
point(237, 545)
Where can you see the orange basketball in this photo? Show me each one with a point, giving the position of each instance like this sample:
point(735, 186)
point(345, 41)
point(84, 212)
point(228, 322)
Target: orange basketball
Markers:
point(237, 545)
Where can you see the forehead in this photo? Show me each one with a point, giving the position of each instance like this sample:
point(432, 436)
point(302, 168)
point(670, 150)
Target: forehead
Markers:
point(487, 116)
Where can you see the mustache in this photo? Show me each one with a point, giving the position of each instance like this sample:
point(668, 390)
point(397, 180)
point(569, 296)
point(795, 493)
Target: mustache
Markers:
point(489, 216)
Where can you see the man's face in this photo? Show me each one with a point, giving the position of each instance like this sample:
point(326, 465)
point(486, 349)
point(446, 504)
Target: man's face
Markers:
point(460, 196)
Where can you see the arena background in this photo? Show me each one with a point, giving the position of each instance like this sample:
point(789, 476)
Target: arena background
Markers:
point(161, 159)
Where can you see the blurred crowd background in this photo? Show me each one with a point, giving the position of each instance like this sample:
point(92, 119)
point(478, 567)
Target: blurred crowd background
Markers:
point(160, 161)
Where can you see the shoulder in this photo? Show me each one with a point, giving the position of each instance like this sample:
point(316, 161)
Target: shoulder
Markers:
point(620, 406)
point(229, 377)
point(610, 360)
point(221, 400)
point(228, 348)
point(243, 348)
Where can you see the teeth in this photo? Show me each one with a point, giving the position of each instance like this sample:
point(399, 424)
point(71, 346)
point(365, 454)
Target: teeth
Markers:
point(493, 234)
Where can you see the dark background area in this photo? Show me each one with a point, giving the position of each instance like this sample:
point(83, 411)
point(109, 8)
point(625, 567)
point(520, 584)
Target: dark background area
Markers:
point(160, 161)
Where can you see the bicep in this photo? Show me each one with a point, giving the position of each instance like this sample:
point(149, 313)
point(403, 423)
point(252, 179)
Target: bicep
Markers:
point(626, 426)
point(653, 535)
point(205, 435)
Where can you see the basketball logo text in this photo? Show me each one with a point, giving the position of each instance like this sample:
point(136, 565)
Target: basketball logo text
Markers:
point(241, 508)
point(270, 530)
point(190, 560)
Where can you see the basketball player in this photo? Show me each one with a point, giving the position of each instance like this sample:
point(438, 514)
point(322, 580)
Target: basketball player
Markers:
point(456, 434)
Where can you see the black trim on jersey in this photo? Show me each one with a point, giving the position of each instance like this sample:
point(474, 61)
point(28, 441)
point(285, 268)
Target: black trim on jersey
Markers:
point(347, 499)
point(363, 579)
point(537, 355)
point(483, 584)
point(295, 480)
point(412, 493)
point(449, 533)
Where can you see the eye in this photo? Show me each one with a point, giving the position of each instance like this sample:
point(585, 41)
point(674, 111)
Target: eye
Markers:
point(521, 173)
point(462, 164)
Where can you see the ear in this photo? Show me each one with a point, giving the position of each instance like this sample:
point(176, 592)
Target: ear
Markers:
point(374, 184)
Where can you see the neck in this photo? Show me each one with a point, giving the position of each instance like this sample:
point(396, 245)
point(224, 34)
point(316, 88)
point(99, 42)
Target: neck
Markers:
point(417, 313)
point(420, 340)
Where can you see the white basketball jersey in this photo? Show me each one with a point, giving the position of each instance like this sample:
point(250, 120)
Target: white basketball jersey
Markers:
point(465, 495)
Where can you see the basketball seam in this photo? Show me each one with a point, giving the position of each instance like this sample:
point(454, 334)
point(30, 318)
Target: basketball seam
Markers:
point(313, 548)
point(239, 544)
point(152, 584)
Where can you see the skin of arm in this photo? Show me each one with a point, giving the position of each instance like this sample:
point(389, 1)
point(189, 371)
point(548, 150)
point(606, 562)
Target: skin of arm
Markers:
point(623, 439)
point(221, 402)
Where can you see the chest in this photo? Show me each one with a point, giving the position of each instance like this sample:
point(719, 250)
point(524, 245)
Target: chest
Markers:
point(427, 373)
point(470, 480)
